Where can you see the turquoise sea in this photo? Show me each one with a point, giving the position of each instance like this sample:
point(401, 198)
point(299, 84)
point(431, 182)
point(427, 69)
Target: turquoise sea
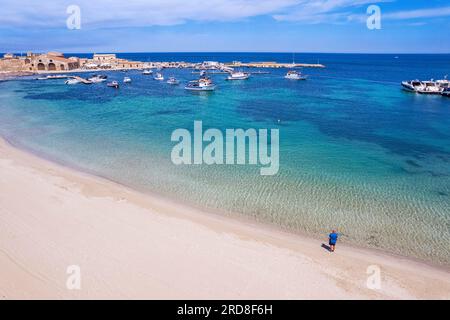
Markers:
point(356, 152)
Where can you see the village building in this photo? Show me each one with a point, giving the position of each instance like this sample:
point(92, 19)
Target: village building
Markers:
point(104, 57)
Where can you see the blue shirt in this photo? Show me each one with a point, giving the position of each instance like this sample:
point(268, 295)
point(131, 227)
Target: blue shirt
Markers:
point(333, 237)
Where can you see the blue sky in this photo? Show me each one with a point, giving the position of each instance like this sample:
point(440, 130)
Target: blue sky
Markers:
point(414, 26)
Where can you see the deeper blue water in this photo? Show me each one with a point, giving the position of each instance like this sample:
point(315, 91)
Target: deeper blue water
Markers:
point(356, 152)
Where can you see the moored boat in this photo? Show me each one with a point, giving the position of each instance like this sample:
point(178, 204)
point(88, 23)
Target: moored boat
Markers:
point(159, 77)
point(126, 80)
point(202, 84)
point(147, 72)
point(113, 84)
point(238, 76)
point(72, 81)
point(97, 78)
point(294, 75)
point(173, 81)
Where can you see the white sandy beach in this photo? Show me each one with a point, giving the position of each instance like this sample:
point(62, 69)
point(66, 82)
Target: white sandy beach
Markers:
point(130, 245)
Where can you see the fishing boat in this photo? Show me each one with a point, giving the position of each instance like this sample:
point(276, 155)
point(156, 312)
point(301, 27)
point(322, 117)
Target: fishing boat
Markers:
point(238, 76)
point(126, 80)
point(147, 72)
point(97, 78)
point(159, 77)
point(173, 81)
point(202, 84)
point(294, 75)
point(113, 84)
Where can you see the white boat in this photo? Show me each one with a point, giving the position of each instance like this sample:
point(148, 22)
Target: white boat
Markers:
point(159, 77)
point(126, 80)
point(72, 81)
point(446, 92)
point(238, 76)
point(429, 87)
point(202, 84)
point(147, 72)
point(173, 81)
point(294, 75)
point(97, 78)
point(113, 84)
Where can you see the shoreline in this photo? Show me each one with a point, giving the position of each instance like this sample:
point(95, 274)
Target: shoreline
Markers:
point(298, 266)
point(221, 213)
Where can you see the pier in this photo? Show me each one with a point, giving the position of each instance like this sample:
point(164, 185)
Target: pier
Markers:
point(272, 64)
point(82, 80)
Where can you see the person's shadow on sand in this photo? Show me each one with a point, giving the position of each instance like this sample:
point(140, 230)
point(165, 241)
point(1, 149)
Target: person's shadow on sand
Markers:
point(326, 247)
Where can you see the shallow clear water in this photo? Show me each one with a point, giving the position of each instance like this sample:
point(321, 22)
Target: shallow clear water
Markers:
point(356, 152)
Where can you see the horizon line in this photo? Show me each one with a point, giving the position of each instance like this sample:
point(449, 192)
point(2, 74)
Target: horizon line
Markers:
point(286, 52)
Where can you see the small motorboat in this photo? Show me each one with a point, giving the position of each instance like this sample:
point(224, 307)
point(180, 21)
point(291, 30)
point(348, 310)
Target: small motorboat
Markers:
point(173, 81)
point(72, 81)
point(97, 78)
point(113, 84)
point(294, 75)
point(147, 72)
point(238, 76)
point(126, 80)
point(159, 77)
point(202, 84)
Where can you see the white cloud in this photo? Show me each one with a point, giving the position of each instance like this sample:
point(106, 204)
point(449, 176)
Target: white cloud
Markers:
point(130, 13)
point(26, 14)
point(418, 14)
point(319, 11)
point(408, 15)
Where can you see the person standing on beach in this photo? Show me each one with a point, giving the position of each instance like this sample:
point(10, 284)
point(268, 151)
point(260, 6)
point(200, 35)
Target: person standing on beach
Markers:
point(332, 239)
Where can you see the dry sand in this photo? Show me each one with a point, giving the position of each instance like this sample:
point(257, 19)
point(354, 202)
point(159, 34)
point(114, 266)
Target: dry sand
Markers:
point(131, 245)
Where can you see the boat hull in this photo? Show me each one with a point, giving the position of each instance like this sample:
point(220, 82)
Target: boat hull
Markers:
point(210, 88)
point(238, 78)
point(408, 87)
point(295, 78)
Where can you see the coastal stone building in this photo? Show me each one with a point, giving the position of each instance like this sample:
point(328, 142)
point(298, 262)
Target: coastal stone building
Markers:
point(52, 61)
